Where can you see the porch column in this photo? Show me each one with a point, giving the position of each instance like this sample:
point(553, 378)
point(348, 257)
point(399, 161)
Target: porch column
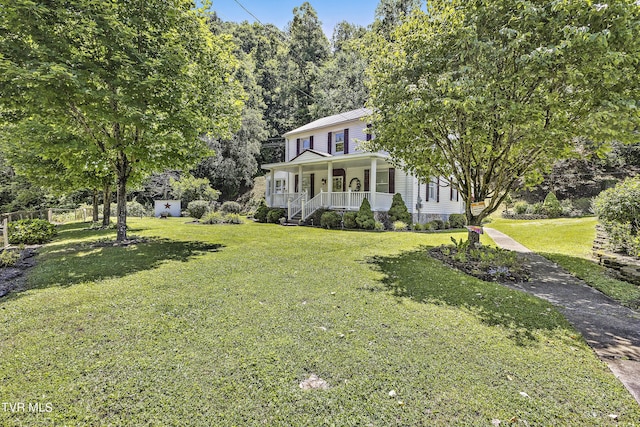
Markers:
point(329, 182)
point(300, 179)
point(372, 182)
point(271, 188)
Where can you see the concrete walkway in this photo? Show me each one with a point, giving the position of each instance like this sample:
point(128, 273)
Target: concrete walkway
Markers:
point(613, 331)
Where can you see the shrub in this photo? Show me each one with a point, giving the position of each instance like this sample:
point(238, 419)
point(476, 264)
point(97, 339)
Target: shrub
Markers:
point(274, 215)
point(400, 226)
point(349, 220)
point(231, 207)
point(567, 207)
point(364, 218)
point(233, 218)
point(378, 226)
point(31, 231)
point(316, 217)
point(418, 227)
point(134, 208)
point(535, 209)
point(447, 225)
point(551, 206)
point(437, 224)
point(520, 208)
point(198, 208)
point(398, 210)
point(457, 220)
point(9, 258)
point(261, 212)
point(213, 218)
point(617, 209)
point(330, 220)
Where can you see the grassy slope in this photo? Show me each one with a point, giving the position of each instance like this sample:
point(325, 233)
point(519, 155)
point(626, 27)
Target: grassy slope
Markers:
point(568, 242)
point(217, 325)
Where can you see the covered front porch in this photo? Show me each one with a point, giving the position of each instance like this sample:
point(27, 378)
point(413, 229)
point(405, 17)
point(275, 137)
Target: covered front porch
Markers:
point(317, 180)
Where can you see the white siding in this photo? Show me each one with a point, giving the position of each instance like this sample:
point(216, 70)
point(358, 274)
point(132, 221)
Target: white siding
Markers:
point(320, 138)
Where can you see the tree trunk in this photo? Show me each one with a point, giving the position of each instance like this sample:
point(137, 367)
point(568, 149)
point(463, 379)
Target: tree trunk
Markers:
point(122, 209)
point(124, 170)
point(472, 236)
point(95, 205)
point(106, 210)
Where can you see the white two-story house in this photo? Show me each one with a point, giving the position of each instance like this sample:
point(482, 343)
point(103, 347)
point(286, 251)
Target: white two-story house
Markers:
point(324, 168)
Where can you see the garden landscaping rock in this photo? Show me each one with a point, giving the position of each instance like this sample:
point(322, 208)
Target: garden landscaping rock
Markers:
point(612, 330)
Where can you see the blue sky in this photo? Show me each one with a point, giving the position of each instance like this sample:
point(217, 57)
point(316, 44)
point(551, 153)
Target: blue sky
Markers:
point(280, 12)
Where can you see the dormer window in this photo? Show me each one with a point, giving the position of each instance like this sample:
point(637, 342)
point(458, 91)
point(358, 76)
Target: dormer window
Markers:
point(338, 145)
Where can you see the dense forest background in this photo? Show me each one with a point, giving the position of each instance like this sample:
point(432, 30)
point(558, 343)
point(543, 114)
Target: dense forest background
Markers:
point(293, 76)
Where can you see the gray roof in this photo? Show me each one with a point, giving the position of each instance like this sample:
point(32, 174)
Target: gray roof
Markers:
point(332, 120)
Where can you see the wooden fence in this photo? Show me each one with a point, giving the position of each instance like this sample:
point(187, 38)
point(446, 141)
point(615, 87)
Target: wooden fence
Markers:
point(5, 233)
point(55, 216)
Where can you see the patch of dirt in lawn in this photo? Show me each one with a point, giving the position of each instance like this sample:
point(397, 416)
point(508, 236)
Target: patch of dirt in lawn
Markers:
point(13, 278)
point(485, 263)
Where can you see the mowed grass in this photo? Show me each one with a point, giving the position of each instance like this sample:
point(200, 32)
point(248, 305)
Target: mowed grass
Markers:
point(569, 242)
point(218, 325)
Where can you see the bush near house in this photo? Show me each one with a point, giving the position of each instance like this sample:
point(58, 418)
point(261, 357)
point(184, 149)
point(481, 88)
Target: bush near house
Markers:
point(364, 218)
point(31, 232)
point(398, 210)
point(261, 212)
point(457, 220)
point(330, 219)
point(198, 208)
point(349, 220)
point(274, 215)
point(400, 226)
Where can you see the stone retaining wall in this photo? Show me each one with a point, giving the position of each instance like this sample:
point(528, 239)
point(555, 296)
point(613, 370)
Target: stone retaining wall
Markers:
point(624, 267)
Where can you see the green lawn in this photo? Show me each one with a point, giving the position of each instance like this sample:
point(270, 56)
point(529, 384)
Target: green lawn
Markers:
point(568, 242)
point(218, 325)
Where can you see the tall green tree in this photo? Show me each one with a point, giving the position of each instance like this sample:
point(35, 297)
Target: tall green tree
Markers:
point(340, 83)
point(492, 92)
point(308, 48)
point(392, 13)
point(141, 81)
point(235, 163)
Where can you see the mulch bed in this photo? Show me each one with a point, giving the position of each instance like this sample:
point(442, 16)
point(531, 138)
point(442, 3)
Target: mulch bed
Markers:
point(13, 278)
point(474, 267)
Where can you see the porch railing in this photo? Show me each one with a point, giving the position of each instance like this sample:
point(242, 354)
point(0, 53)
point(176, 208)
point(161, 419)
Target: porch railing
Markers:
point(281, 200)
point(313, 205)
point(294, 206)
point(349, 200)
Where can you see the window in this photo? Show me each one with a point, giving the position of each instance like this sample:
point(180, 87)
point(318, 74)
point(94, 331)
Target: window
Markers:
point(338, 143)
point(280, 186)
point(306, 143)
point(433, 191)
point(382, 181)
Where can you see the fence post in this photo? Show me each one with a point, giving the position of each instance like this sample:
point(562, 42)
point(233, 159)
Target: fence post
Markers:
point(5, 232)
point(50, 215)
point(84, 214)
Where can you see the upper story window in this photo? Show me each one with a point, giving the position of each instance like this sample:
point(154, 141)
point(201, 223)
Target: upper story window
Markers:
point(306, 143)
point(338, 144)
